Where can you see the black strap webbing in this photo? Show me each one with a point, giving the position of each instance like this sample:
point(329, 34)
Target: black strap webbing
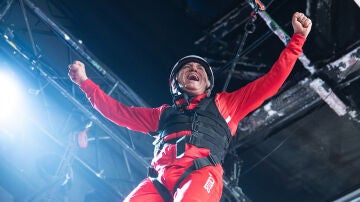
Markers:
point(198, 164)
point(183, 176)
point(163, 191)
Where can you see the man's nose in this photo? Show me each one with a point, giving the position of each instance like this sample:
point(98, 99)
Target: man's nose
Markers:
point(193, 68)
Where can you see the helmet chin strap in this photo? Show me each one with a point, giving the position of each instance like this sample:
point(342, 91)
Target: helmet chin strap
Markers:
point(184, 95)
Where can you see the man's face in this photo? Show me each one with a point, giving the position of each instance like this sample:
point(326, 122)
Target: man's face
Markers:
point(193, 79)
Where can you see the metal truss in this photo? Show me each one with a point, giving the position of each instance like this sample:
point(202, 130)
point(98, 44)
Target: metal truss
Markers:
point(39, 32)
point(294, 102)
point(307, 92)
point(299, 98)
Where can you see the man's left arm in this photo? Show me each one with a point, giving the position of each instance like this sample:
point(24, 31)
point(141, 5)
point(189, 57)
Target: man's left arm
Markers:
point(238, 104)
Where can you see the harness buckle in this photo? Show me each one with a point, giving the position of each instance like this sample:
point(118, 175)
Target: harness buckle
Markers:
point(181, 146)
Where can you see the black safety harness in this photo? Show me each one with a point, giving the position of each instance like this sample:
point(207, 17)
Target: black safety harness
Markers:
point(208, 130)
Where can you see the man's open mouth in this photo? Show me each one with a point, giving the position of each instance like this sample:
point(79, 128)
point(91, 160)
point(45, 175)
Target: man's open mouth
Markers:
point(193, 77)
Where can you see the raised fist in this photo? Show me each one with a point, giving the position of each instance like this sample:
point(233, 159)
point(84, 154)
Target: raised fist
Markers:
point(301, 24)
point(77, 72)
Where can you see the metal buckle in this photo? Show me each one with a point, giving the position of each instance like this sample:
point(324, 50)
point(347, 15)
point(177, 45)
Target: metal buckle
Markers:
point(181, 147)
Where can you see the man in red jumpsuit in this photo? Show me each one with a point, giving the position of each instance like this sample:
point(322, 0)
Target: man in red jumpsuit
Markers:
point(192, 135)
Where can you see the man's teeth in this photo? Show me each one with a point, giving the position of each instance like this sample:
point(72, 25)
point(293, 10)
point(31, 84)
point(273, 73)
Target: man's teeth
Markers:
point(193, 77)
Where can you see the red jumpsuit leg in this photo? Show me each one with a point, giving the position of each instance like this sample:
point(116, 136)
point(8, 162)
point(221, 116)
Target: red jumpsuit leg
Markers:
point(201, 185)
point(144, 192)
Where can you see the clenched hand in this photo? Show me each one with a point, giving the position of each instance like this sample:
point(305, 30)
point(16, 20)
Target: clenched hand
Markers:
point(77, 72)
point(301, 24)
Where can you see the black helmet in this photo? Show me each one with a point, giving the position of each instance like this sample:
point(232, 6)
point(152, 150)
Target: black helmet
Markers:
point(175, 90)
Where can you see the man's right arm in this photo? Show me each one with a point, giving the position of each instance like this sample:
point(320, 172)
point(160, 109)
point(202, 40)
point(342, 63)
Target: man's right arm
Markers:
point(135, 118)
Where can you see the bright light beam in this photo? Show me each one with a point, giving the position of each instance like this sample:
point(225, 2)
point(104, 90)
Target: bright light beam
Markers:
point(10, 97)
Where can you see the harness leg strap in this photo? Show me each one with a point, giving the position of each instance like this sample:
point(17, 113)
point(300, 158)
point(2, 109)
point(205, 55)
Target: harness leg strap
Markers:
point(183, 176)
point(163, 191)
point(198, 164)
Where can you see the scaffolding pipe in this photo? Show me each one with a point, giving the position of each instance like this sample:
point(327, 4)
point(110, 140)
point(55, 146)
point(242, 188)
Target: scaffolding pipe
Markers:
point(284, 37)
point(72, 42)
point(82, 108)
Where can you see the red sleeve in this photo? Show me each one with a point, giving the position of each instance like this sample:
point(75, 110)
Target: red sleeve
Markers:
point(236, 105)
point(139, 119)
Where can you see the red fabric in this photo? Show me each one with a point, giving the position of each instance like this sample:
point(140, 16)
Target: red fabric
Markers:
point(144, 192)
point(202, 185)
point(233, 106)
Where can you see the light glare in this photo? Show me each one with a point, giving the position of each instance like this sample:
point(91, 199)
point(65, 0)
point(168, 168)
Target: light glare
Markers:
point(10, 96)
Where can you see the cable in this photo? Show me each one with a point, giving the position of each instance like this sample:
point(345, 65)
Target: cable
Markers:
point(265, 157)
point(248, 29)
point(6, 9)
